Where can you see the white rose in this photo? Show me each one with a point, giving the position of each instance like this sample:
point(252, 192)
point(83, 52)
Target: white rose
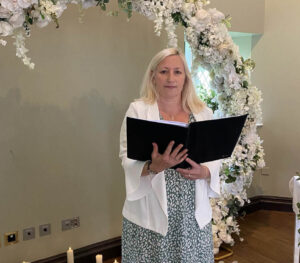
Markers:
point(11, 5)
point(40, 22)
point(5, 29)
point(187, 8)
point(216, 15)
point(233, 77)
point(60, 7)
point(261, 163)
point(43, 22)
point(203, 16)
point(4, 13)
point(223, 48)
point(193, 21)
point(228, 239)
point(17, 19)
point(214, 229)
point(26, 3)
point(229, 220)
point(223, 235)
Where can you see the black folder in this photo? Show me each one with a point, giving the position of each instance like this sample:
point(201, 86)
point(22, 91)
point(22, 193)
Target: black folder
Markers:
point(206, 141)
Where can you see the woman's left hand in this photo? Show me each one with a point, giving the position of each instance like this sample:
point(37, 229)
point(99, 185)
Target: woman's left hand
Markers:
point(197, 171)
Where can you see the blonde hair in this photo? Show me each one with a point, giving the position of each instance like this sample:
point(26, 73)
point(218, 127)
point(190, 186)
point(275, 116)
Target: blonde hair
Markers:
point(190, 100)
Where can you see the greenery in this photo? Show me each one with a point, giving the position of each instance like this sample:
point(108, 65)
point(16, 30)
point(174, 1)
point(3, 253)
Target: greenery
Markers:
point(208, 96)
point(234, 206)
point(102, 4)
point(227, 21)
point(126, 6)
point(177, 17)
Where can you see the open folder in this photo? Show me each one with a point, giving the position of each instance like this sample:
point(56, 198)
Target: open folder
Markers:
point(206, 141)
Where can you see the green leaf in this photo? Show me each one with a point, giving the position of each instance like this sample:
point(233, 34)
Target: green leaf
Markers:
point(208, 97)
point(43, 17)
point(227, 22)
point(178, 19)
point(245, 84)
point(230, 179)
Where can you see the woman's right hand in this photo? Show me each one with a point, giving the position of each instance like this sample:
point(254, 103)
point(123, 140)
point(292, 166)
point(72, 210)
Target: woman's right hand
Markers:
point(168, 159)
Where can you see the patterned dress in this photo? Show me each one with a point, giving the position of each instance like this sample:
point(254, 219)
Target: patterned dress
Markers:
point(185, 242)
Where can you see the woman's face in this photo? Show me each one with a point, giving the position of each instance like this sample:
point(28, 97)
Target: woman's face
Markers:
point(170, 77)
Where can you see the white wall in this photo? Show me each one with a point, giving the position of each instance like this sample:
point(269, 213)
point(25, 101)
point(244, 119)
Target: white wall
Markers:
point(247, 15)
point(277, 56)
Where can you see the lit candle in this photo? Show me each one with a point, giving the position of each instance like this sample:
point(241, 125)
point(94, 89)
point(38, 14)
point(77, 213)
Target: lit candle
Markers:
point(116, 261)
point(70, 255)
point(99, 258)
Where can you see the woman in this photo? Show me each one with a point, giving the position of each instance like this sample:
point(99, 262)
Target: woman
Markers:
point(167, 214)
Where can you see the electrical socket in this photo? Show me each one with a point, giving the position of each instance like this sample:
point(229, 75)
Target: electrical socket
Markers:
point(11, 238)
point(70, 223)
point(265, 171)
point(45, 230)
point(28, 233)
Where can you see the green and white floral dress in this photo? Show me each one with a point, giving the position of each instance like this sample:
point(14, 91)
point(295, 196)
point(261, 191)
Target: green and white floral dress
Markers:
point(185, 242)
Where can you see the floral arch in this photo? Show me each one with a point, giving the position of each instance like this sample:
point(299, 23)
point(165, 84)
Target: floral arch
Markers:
point(206, 31)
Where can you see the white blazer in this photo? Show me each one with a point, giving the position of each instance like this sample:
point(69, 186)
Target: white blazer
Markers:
point(146, 197)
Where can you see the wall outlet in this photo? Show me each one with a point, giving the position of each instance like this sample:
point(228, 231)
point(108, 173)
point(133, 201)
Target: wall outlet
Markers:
point(70, 223)
point(265, 171)
point(11, 238)
point(28, 233)
point(45, 230)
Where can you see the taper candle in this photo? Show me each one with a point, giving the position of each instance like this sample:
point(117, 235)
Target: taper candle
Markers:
point(99, 258)
point(70, 255)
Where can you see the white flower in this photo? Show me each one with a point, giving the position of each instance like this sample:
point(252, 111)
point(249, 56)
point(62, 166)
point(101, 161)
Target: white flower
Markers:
point(21, 49)
point(5, 29)
point(261, 163)
point(188, 9)
point(4, 13)
point(216, 15)
point(41, 21)
point(214, 228)
point(203, 16)
point(17, 19)
point(3, 42)
point(49, 8)
point(229, 220)
point(26, 3)
point(11, 5)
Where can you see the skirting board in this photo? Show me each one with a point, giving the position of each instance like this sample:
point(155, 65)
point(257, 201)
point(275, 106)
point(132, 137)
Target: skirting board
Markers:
point(268, 203)
point(109, 249)
point(112, 248)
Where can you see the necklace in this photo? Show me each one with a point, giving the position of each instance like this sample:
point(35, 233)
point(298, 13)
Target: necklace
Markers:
point(168, 117)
